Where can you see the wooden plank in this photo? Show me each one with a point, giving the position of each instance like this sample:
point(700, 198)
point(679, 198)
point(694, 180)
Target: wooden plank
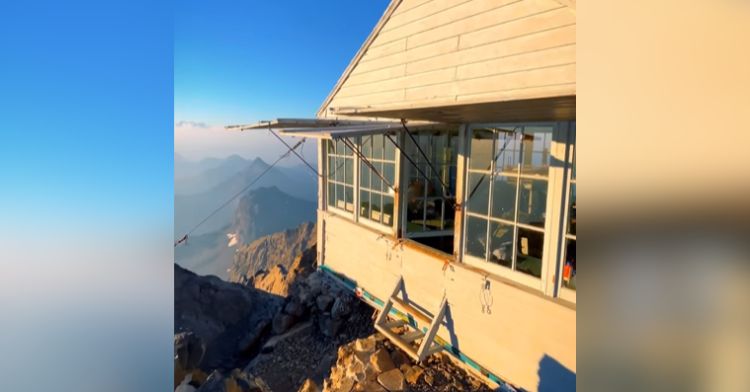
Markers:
point(384, 50)
point(506, 14)
point(411, 336)
point(513, 46)
point(431, 19)
point(411, 311)
point(408, 5)
point(550, 18)
point(494, 85)
point(358, 77)
point(395, 339)
point(410, 11)
point(431, 50)
point(393, 324)
point(423, 79)
point(543, 58)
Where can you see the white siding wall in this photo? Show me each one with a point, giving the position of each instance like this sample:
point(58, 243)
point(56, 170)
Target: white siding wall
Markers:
point(447, 51)
point(511, 342)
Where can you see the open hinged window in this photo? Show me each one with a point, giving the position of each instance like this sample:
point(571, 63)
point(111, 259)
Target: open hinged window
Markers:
point(361, 173)
point(430, 181)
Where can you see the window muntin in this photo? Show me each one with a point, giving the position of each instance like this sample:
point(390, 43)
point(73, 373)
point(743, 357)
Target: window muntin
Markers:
point(340, 179)
point(428, 207)
point(506, 195)
point(375, 196)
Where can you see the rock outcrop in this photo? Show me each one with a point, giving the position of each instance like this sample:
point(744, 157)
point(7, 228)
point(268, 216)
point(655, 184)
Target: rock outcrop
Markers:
point(374, 364)
point(272, 262)
point(308, 334)
point(216, 323)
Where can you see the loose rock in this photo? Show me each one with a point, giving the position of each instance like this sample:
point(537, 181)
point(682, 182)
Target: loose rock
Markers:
point(392, 380)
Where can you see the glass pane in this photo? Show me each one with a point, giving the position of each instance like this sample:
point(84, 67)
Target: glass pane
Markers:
point(331, 194)
point(532, 208)
point(572, 211)
point(340, 197)
point(339, 162)
point(364, 204)
point(390, 149)
point(536, 149)
point(504, 198)
point(481, 149)
point(339, 147)
point(529, 252)
point(375, 199)
point(377, 183)
point(367, 146)
point(329, 146)
point(347, 150)
point(478, 193)
point(569, 266)
point(387, 210)
point(377, 146)
point(501, 244)
point(476, 237)
point(349, 198)
point(434, 214)
point(389, 174)
point(364, 175)
point(331, 166)
point(415, 205)
point(508, 152)
point(349, 170)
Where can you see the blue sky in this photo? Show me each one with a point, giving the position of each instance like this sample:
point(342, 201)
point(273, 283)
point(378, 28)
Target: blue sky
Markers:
point(244, 61)
point(86, 193)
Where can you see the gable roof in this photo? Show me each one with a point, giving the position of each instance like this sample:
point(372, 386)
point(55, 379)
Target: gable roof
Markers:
point(540, 64)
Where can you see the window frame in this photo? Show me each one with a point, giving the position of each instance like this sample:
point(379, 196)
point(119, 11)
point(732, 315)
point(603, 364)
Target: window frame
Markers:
point(569, 180)
point(554, 192)
point(366, 221)
point(333, 208)
point(355, 215)
point(407, 172)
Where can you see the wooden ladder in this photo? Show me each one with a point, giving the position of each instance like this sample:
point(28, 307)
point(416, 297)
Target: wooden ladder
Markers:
point(415, 343)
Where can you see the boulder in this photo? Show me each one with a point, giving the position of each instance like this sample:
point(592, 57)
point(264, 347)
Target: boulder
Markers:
point(328, 326)
point(295, 308)
point(399, 358)
point(282, 322)
point(392, 380)
point(324, 302)
point(309, 386)
point(341, 308)
point(365, 345)
point(381, 361)
point(188, 350)
point(412, 374)
point(236, 381)
point(369, 386)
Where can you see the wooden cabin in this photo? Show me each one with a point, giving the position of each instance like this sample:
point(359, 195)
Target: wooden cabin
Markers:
point(448, 183)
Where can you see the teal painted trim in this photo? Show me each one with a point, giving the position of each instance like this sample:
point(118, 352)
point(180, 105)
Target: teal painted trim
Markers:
point(351, 285)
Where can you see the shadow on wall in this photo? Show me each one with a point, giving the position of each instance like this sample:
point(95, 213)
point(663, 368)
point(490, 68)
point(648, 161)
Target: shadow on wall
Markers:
point(553, 376)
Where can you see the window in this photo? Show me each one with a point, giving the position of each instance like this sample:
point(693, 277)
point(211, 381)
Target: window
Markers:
point(569, 242)
point(428, 207)
point(340, 176)
point(506, 195)
point(375, 195)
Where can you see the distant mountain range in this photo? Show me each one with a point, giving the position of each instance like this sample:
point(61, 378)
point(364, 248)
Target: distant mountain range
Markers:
point(283, 199)
point(198, 195)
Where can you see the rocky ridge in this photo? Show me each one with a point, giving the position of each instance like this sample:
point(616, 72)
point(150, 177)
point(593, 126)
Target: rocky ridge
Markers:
point(374, 364)
point(272, 262)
